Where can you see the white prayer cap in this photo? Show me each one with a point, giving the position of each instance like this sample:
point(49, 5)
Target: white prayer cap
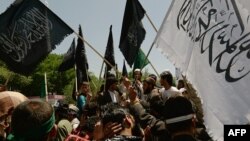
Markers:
point(137, 70)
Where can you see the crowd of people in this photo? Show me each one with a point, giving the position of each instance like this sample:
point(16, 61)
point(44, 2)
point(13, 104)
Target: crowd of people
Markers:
point(123, 110)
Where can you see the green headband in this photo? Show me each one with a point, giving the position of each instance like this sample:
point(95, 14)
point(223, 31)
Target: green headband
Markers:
point(35, 132)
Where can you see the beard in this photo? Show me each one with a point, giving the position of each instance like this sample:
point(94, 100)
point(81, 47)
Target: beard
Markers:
point(147, 91)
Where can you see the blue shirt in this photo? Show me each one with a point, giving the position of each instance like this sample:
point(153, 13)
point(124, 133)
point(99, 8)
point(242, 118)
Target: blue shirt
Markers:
point(81, 102)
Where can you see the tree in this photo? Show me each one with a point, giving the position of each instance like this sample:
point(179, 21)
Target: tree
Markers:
point(57, 82)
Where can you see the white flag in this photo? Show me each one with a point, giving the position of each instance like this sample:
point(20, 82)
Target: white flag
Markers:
point(210, 41)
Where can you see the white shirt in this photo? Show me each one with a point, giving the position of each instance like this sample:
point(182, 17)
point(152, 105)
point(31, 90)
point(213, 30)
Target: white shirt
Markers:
point(75, 122)
point(113, 97)
point(171, 92)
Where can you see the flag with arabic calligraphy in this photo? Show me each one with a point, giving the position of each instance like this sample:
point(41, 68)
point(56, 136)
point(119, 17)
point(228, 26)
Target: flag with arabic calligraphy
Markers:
point(209, 40)
point(133, 32)
point(29, 31)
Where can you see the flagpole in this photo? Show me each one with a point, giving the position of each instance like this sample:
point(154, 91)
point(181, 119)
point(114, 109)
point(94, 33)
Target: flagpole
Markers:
point(150, 49)
point(94, 50)
point(100, 75)
point(150, 65)
point(146, 58)
point(76, 79)
point(151, 22)
point(116, 71)
point(46, 88)
point(7, 81)
point(154, 68)
point(92, 47)
point(105, 77)
point(87, 73)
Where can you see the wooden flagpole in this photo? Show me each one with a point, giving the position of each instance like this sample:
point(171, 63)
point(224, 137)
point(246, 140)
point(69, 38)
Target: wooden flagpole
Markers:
point(46, 88)
point(151, 22)
point(150, 49)
point(76, 79)
point(95, 50)
point(100, 75)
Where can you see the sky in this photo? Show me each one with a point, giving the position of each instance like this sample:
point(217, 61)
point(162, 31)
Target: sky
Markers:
point(95, 17)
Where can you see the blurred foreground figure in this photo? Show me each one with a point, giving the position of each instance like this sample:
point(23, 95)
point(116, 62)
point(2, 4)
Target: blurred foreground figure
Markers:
point(33, 120)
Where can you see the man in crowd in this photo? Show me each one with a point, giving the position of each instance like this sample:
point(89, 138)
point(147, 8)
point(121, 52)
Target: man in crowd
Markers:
point(64, 127)
point(82, 97)
point(113, 113)
point(150, 92)
point(138, 83)
point(180, 119)
point(110, 94)
point(168, 90)
point(2, 88)
point(33, 120)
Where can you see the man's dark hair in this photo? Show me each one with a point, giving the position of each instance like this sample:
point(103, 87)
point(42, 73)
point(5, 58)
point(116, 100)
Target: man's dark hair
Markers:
point(30, 116)
point(62, 110)
point(153, 76)
point(156, 105)
point(150, 81)
point(167, 75)
point(113, 113)
point(90, 124)
point(110, 81)
point(91, 109)
point(177, 107)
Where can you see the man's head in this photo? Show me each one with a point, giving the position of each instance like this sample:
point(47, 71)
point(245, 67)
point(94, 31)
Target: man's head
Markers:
point(156, 105)
point(166, 79)
point(111, 83)
point(116, 114)
point(148, 85)
point(85, 87)
point(32, 120)
point(73, 112)
point(179, 115)
point(61, 110)
point(2, 87)
point(180, 84)
point(137, 74)
point(153, 76)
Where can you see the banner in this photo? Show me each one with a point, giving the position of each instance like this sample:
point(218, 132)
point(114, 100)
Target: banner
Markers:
point(68, 58)
point(29, 31)
point(209, 40)
point(124, 69)
point(81, 61)
point(109, 53)
point(140, 61)
point(133, 32)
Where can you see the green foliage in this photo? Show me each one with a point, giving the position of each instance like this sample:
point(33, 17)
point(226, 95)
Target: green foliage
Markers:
point(95, 83)
point(14, 81)
point(31, 85)
point(68, 90)
point(57, 82)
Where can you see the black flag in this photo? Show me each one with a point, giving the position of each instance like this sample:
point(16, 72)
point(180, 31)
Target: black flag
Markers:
point(68, 59)
point(29, 31)
point(124, 70)
point(81, 60)
point(109, 53)
point(132, 33)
